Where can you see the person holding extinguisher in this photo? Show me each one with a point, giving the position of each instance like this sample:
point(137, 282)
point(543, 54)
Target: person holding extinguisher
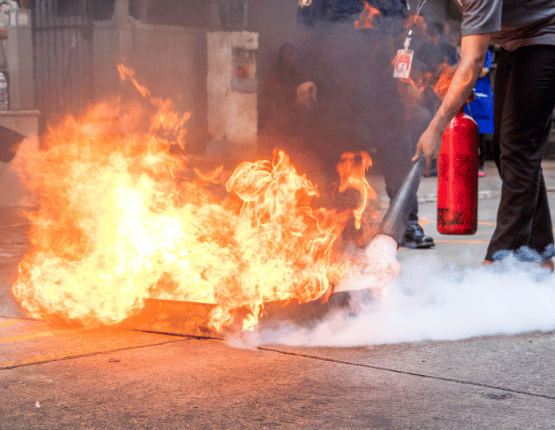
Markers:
point(524, 101)
point(481, 109)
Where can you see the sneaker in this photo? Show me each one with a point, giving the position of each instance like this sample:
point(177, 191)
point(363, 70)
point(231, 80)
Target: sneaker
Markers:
point(481, 173)
point(415, 238)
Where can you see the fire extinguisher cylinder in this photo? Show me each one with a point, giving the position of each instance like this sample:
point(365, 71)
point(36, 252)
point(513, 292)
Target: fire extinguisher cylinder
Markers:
point(457, 177)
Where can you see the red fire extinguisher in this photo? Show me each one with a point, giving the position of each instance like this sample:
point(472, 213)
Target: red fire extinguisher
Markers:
point(457, 177)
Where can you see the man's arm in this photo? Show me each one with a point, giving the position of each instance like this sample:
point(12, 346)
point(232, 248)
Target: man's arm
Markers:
point(473, 54)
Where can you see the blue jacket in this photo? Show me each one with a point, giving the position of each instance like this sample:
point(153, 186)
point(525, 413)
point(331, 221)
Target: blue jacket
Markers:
point(481, 108)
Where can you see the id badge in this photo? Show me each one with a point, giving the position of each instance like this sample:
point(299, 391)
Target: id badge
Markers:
point(403, 63)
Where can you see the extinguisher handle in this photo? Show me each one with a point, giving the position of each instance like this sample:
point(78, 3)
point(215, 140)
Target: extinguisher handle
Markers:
point(394, 222)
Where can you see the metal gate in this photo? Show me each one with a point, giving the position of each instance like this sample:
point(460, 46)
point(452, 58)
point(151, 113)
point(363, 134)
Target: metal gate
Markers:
point(62, 51)
point(76, 53)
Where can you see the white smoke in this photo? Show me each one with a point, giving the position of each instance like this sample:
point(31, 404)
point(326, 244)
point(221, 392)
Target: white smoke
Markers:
point(431, 302)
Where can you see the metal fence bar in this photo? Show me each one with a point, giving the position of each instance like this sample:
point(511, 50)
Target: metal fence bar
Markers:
point(75, 65)
point(62, 62)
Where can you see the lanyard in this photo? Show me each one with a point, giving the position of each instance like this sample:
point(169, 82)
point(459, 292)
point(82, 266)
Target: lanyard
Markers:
point(403, 59)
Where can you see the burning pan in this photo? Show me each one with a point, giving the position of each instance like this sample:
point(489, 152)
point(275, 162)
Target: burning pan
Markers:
point(192, 318)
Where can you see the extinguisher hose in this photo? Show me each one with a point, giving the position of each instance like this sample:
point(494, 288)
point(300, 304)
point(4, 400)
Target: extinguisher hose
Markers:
point(394, 222)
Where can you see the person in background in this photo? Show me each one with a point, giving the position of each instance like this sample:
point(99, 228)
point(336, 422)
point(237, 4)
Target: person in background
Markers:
point(523, 113)
point(359, 81)
point(278, 98)
point(288, 106)
point(481, 109)
point(438, 46)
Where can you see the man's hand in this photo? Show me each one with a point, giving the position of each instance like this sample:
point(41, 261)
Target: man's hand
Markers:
point(307, 94)
point(429, 145)
point(458, 92)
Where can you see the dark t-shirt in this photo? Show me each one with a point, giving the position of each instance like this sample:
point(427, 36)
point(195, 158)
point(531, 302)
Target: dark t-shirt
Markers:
point(511, 23)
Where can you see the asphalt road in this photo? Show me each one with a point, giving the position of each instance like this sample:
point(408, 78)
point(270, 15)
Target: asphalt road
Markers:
point(456, 346)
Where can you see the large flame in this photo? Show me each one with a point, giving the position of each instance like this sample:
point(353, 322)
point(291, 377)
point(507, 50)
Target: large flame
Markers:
point(120, 220)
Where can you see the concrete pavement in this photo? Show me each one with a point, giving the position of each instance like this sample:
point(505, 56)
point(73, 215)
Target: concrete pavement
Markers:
point(456, 346)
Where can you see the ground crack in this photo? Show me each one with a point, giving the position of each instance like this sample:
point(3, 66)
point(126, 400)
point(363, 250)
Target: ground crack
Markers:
point(420, 375)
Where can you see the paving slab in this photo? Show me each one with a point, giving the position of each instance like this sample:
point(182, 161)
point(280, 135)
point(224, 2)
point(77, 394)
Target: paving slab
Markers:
point(63, 377)
point(208, 384)
point(519, 364)
point(26, 342)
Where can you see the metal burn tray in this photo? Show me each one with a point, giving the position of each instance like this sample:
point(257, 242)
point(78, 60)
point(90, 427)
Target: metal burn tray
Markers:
point(192, 318)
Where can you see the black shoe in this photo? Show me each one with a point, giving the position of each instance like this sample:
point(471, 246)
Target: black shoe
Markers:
point(415, 238)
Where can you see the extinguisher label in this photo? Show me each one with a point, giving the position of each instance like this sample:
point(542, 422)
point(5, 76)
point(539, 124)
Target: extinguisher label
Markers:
point(450, 221)
point(403, 63)
point(448, 217)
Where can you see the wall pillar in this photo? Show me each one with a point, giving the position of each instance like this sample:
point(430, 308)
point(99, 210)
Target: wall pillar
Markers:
point(232, 94)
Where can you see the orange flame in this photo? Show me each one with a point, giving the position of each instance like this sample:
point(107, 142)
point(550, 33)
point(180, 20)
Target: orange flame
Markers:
point(444, 81)
point(419, 86)
point(118, 223)
point(125, 72)
point(366, 16)
point(440, 87)
point(352, 170)
point(416, 21)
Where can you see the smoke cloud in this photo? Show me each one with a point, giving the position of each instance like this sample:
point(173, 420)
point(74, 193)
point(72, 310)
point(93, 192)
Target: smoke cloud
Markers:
point(431, 302)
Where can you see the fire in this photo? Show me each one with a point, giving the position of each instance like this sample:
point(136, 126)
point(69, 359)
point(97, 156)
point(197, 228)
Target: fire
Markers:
point(416, 21)
point(444, 81)
point(124, 72)
point(366, 16)
point(420, 85)
point(441, 84)
point(352, 170)
point(119, 221)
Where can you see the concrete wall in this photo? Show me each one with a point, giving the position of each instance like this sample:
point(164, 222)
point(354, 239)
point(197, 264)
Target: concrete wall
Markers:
point(232, 102)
